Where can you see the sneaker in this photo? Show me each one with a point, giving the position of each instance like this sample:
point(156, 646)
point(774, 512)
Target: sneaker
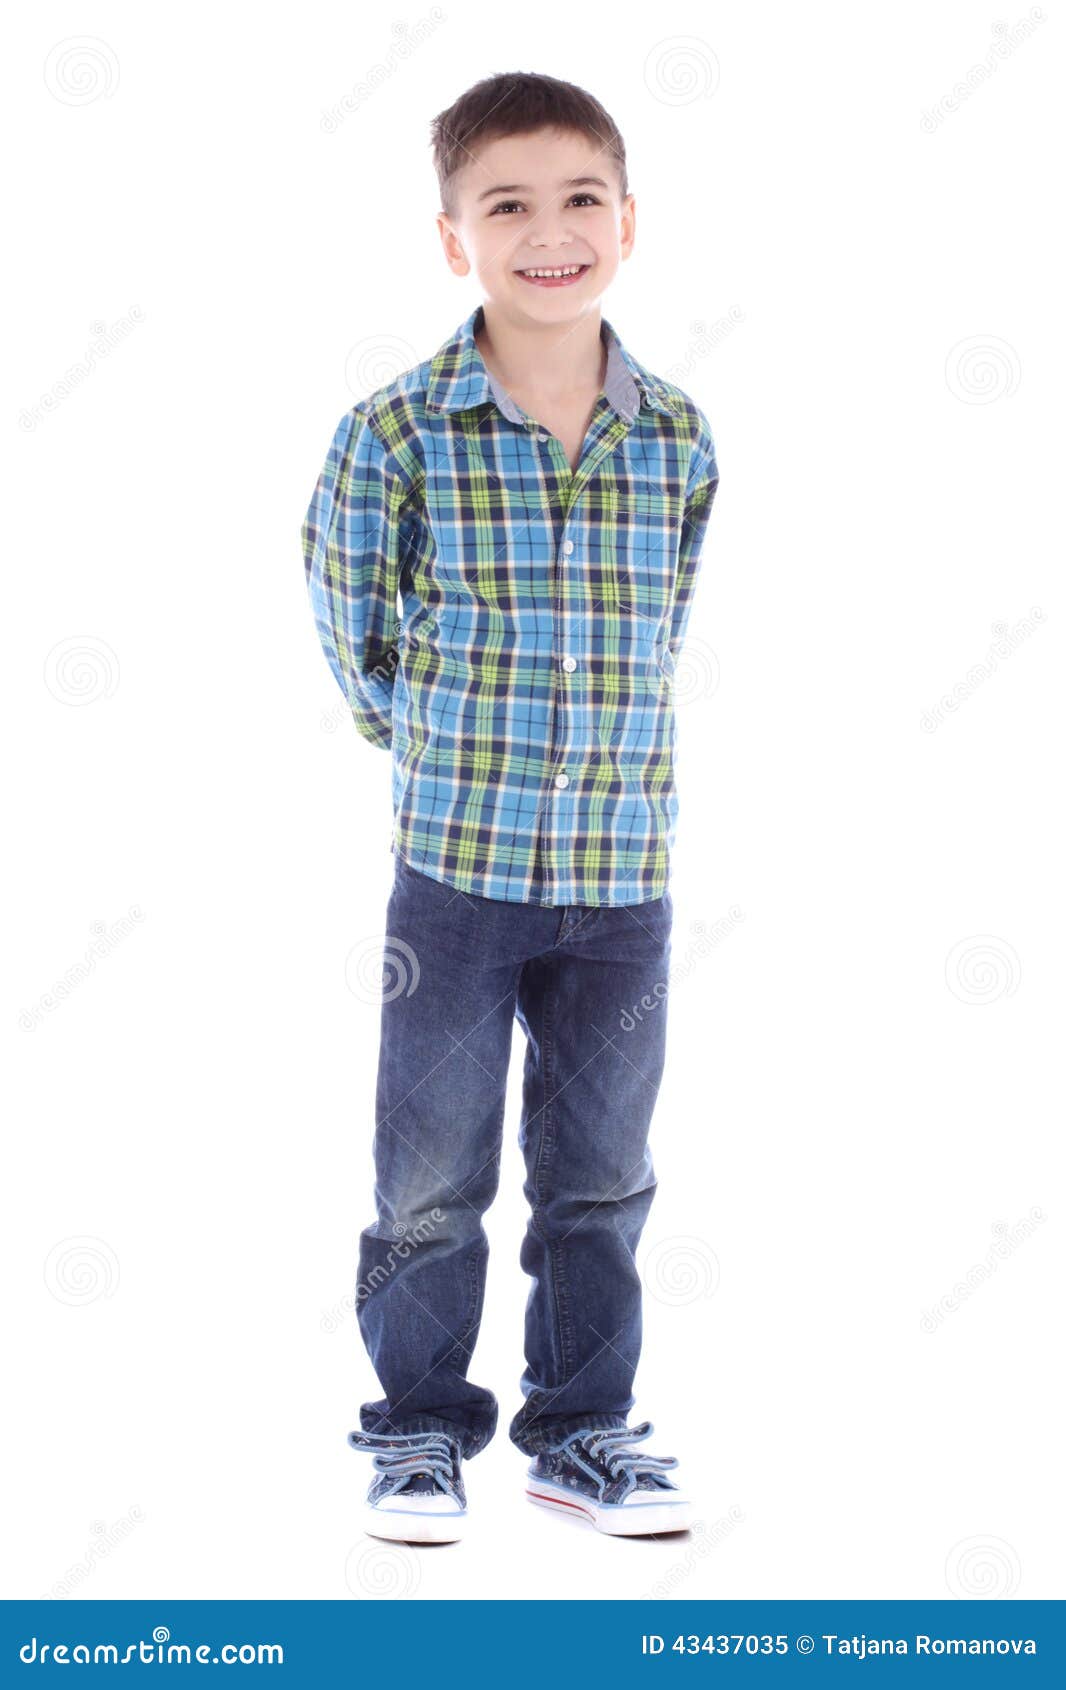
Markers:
point(418, 1496)
point(591, 1475)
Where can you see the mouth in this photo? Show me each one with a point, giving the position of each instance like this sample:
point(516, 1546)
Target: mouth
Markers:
point(557, 276)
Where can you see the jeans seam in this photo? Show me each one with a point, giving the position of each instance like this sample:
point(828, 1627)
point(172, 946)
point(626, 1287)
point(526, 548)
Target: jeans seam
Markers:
point(560, 1292)
point(478, 1254)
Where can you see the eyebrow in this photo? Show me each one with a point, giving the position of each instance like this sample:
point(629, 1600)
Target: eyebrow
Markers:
point(524, 188)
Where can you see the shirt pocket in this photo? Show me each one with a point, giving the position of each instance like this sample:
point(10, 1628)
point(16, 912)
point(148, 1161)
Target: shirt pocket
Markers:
point(491, 539)
point(641, 532)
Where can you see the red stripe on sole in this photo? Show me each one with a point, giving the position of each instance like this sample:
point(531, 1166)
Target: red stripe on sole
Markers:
point(561, 1502)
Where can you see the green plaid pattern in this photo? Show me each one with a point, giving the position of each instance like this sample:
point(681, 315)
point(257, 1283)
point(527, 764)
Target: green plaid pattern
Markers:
point(509, 629)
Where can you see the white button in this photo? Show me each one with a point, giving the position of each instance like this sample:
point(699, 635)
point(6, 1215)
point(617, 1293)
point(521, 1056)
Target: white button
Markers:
point(542, 437)
point(562, 780)
point(569, 664)
point(568, 546)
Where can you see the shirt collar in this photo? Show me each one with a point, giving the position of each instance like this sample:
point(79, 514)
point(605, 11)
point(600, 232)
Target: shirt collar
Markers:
point(459, 377)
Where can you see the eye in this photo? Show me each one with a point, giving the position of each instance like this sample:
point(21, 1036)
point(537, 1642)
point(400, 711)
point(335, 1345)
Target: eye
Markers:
point(504, 205)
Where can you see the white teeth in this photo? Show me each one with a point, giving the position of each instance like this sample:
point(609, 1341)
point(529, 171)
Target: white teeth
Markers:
point(570, 270)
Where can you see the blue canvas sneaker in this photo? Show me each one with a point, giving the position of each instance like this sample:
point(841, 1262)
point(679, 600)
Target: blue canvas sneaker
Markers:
point(592, 1475)
point(418, 1495)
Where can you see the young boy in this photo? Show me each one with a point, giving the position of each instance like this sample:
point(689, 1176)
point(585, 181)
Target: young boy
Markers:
point(538, 500)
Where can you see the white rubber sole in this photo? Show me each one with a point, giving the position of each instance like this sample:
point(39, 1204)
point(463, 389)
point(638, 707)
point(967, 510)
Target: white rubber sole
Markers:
point(618, 1519)
point(406, 1525)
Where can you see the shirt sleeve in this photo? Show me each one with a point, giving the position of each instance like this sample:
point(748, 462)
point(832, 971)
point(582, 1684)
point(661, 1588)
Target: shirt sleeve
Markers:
point(351, 545)
point(699, 497)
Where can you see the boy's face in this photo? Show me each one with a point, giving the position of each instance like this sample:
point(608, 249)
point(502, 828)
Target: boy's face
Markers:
point(547, 200)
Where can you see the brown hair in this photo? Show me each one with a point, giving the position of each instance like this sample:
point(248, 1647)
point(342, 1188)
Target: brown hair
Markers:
point(516, 104)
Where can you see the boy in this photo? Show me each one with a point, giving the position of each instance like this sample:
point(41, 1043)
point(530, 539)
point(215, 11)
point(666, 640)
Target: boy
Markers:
point(539, 502)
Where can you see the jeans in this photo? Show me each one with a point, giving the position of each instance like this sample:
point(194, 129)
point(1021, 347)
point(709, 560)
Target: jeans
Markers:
point(588, 986)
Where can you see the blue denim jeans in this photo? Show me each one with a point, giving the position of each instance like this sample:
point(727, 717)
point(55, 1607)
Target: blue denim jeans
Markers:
point(588, 985)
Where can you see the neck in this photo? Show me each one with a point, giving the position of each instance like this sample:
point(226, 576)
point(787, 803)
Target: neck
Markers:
point(557, 360)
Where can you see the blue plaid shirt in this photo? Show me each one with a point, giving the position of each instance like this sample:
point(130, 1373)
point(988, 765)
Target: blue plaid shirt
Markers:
point(526, 690)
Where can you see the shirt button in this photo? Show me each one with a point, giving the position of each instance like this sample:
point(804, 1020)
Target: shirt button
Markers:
point(542, 437)
point(562, 780)
point(569, 664)
point(568, 546)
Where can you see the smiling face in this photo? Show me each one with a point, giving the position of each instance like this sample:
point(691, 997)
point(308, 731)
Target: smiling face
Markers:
point(549, 200)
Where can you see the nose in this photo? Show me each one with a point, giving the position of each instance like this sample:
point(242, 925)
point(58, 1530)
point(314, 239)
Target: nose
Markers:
point(550, 230)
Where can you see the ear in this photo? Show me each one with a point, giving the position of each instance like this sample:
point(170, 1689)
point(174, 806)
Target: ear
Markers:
point(457, 260)
point(628, 229)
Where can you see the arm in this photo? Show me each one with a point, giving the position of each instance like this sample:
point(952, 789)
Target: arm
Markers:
point(702, 487)
point(351, 545)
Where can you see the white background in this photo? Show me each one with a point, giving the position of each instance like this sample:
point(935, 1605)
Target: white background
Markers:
point(860, 287)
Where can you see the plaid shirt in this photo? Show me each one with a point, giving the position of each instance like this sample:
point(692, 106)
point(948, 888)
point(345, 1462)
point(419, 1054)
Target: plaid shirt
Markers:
point(526, 691)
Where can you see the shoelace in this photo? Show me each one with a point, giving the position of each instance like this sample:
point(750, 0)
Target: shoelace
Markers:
point(428, 1454)
point(607, 1443)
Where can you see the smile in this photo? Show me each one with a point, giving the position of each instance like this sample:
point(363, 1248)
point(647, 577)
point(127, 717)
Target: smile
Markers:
point(562, 276)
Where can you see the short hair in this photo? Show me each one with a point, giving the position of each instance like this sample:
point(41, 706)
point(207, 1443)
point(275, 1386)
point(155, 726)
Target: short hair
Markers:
point(516, 104)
